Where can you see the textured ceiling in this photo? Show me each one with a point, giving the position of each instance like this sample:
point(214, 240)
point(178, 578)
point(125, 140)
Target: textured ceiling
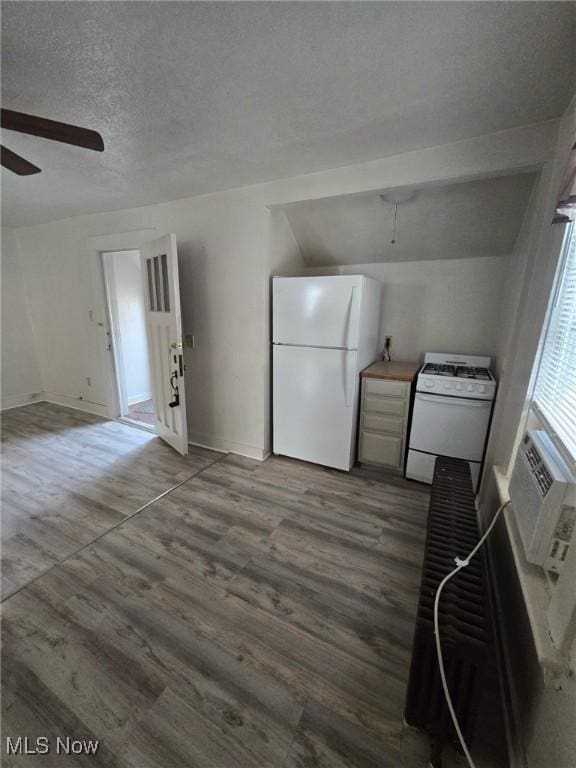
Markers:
point(476, 218)
point(198, 97)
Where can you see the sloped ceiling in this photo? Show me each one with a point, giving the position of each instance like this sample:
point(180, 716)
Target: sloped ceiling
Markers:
point(477, 218)
point(198, 97)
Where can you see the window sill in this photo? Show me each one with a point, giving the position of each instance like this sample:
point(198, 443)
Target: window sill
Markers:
point(537, 593)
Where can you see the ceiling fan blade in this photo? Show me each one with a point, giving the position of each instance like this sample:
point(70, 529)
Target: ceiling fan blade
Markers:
point(16, 164)
point(51, 129)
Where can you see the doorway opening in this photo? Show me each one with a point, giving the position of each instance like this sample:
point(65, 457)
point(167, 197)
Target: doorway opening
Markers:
point(128, 337)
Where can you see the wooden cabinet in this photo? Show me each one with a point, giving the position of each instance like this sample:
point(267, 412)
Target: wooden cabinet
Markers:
point(391, 405)
point(384, 415)
point(382, 449)
point(387, 388)
point(379, 422)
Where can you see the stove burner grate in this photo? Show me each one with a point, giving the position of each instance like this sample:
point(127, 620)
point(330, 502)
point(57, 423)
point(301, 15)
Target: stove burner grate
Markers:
point(457, 371)
point(465, 372)
point(438, 369)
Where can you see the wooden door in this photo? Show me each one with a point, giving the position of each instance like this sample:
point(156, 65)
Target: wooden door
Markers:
point(164, 328)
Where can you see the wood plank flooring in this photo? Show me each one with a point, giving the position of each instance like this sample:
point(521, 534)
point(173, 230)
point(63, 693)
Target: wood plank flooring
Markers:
point(68, 477)
point(258, 616)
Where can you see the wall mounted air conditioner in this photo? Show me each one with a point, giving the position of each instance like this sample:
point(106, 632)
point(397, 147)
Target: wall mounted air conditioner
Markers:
point(543, 494)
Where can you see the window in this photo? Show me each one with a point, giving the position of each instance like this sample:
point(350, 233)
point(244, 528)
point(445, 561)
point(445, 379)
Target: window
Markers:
point(555, 387)
point(158, 289)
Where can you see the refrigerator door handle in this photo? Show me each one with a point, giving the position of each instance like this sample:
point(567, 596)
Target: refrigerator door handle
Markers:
point(347, 378)
point(346, 339)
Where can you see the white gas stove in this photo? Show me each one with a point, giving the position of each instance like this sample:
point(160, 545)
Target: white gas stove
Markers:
point(452, 409)
point(457, 376)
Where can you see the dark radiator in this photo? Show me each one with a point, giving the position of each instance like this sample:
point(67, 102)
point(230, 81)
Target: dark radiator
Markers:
point(463, 617)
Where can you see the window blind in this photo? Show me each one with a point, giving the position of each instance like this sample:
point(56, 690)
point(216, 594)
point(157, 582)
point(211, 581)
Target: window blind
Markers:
point(555, 389)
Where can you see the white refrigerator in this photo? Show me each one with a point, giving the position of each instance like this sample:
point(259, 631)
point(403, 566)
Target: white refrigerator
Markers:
point(324, 332)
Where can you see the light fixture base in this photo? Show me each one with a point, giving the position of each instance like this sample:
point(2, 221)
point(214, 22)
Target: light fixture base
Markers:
point(398, 196)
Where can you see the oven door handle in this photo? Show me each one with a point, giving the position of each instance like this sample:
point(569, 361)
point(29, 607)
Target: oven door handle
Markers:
point(454, 400)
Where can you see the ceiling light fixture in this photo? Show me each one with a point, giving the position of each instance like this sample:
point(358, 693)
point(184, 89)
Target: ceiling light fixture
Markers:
point(397, 197)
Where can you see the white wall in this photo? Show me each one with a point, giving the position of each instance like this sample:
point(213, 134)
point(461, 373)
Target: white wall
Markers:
point(512, 279)
point(492, 154)
point(545, 704)
point(528, 282)
point(285, 256)
point(21, 380)
point(129, 298)
point(226, 260)
point(223, 293)
point(449, 305)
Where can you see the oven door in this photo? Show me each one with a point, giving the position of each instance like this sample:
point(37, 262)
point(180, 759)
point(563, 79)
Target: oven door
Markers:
point(450, 426)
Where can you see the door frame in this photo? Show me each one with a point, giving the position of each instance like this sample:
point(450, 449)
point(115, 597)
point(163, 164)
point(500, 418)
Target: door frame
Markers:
point(116, 335)
point(100, 320)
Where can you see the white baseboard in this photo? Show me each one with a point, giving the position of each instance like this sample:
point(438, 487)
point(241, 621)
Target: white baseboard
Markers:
point(139, 398)
point(80, 405)
point(222, 444)
point(200, 439)
point(17, 401)
point(207, 447)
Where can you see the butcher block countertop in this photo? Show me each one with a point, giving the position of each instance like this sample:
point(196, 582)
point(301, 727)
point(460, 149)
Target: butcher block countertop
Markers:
point(395, 371)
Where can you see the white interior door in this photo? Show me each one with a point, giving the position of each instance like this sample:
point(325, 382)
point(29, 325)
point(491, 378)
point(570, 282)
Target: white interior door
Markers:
point(164, 328)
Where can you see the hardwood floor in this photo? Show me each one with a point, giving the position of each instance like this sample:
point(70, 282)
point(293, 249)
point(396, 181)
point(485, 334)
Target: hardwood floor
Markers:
point(68, 477)
point(258, 616)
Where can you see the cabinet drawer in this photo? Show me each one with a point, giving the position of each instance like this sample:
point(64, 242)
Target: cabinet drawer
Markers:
point(392, 405)
point(387, 388)
point(380, 422)
point(381, 449)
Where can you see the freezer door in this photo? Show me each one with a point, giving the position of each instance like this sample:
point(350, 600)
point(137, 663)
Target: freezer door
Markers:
point(450, 426)
point(316, 311)
point(315, 396)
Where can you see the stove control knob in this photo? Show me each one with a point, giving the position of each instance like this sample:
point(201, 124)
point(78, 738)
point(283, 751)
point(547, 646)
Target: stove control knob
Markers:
point(459, 387)
point(448, 385)
point(481, 389)
point(471, 387)
point(429, 384)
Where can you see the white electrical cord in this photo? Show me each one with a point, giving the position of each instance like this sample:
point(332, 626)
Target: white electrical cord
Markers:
point(460, 563)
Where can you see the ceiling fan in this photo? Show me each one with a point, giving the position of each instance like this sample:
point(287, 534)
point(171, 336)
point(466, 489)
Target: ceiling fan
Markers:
point(46, 129)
